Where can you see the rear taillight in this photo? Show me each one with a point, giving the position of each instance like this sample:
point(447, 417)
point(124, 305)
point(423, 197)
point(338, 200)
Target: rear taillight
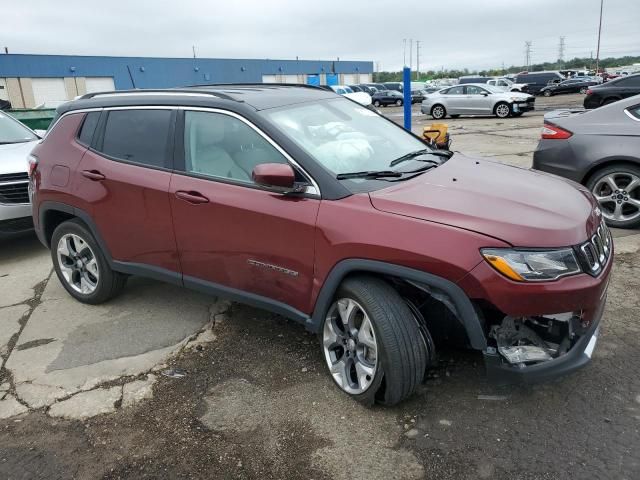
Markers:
point(33, 164)
point(554, 132)
point(589, 91)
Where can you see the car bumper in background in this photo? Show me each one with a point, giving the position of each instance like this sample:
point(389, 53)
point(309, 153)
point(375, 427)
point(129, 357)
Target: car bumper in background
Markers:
point(523, 107)
point(558, 157)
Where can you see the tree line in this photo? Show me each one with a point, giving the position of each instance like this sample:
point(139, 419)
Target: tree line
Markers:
point(574, 64)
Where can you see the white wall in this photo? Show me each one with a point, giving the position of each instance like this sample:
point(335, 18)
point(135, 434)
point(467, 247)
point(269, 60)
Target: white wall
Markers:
point(49, 92)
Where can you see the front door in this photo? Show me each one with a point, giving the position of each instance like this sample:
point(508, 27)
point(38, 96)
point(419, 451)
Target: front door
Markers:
point(125, 179)
point(479, 100)
point(230, 232)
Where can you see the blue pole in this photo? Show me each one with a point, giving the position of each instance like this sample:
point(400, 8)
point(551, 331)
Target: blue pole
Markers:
point(406, 79)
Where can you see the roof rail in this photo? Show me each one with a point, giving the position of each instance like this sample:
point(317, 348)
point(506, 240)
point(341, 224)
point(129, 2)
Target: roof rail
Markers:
point(162, 91)
point(255, 84)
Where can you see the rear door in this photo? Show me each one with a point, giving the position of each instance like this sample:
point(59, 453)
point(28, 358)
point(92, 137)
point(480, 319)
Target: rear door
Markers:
point(231, 233)
point(125, 177)
point(455, 100)
point(629, 86)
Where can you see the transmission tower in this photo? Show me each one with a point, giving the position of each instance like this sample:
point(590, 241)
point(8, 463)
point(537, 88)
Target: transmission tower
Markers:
point(527, 53)
point(561, 48)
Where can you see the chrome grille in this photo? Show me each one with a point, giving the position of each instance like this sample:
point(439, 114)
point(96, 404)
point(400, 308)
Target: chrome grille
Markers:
point(14, 188)
point(597, 250)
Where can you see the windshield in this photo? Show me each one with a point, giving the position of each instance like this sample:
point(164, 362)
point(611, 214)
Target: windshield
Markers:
point(493, 88)
point(12, 131)
point(343, 136)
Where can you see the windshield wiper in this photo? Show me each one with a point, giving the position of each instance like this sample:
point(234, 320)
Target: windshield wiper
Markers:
point(369, 174)
point(418, 153)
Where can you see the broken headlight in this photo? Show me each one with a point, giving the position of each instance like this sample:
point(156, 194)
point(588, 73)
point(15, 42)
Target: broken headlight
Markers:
point(532, 265)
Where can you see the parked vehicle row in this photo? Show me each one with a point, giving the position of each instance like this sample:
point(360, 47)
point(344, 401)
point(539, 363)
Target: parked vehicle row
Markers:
point(476, 99)
point(572, 85)
point(612, 91)
point(301, 202)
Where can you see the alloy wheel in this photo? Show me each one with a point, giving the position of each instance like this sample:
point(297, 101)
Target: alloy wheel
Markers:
point(438, 112)
point(619, 196)
point(78, 264)
point(503, 110)
point(350, 347)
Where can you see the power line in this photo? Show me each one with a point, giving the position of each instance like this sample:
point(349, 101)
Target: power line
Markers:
point(527, 53)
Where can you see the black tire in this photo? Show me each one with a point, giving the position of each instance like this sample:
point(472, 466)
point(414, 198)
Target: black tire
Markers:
point(583, 90)
point(619, 170)
point(376, 103)
point(402, 353)
point(500, 108)
point(398, 103)
point(547, 93)
point(438, 112)
point(109, 283)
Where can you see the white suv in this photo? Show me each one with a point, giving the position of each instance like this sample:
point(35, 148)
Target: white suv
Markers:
point(16, 142)
point(508, 85)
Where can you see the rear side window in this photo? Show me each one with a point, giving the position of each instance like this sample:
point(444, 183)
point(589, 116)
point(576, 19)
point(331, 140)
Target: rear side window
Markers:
point(138, 136)
point(88, 128)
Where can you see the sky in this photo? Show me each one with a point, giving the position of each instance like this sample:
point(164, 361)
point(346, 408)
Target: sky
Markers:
point(473, 34)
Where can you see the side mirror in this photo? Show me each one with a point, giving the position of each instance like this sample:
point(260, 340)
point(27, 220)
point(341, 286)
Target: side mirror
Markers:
point(485, 94)
point(278, 176)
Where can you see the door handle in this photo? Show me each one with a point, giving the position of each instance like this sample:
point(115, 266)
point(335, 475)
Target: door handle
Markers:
point(192, 197)
point(93, 175)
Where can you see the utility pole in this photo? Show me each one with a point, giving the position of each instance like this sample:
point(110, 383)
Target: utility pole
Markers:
point(527, 53)
point(410, 54)
point(417, 60)
point(599, 32)
point(193, 47)
point(404, 52)
point(561, 51)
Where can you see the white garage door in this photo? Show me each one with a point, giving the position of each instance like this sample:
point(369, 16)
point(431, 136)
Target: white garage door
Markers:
point(269, 79)
point(4, 95)
point(99, 84)
point(49, 92)
point(350, 79)
point(365, 78)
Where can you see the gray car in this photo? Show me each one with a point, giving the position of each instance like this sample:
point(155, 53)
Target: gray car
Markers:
point(476, 99)
point(16, 142)
point(600, 149)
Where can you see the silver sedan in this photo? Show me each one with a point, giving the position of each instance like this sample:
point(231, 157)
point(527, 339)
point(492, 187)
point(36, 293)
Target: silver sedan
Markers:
point(476, 99)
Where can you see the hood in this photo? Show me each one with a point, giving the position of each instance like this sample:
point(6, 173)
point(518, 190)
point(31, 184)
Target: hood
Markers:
point(13, 157)
point(522, 95)
point(522, 207)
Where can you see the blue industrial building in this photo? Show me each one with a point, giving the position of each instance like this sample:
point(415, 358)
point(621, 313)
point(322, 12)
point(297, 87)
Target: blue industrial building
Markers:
point(31, 80)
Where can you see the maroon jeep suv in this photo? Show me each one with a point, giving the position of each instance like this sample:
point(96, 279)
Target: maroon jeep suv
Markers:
point(302, 202)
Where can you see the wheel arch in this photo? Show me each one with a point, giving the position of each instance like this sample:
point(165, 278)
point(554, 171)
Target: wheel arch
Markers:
point(608, 162)
point(440, 288)
point(51, 214)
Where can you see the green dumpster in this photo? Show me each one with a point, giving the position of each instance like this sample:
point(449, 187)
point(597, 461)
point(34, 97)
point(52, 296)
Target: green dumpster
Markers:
point(34, 118)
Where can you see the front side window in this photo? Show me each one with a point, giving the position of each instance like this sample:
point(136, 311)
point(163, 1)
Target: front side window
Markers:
point(12, 131)
point(223, 146)
point(137, 136)
point(473, 90)
point(343, 136)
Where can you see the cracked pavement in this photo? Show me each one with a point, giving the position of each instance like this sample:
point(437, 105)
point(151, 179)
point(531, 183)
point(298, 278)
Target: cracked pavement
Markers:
point(82, 394)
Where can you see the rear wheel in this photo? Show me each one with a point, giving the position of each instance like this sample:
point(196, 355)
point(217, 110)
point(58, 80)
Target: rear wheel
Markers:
point(502, 110)
point(372, 342)
point(81, 266)
point(583, 90)
point(438, 112)
point(399, 103)
point(617, 190)
point(376, 103)
point(547, 93)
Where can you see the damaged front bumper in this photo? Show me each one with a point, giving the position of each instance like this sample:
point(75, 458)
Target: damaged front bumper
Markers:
point(505, 367)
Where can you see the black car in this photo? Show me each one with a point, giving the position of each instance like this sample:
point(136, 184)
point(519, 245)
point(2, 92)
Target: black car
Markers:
point(417, 96)
point(397, 86)
point(367, 88)
point(572, 85)
point(356, 88)
point(536, 81)
point(612, 91)
point(387, 97)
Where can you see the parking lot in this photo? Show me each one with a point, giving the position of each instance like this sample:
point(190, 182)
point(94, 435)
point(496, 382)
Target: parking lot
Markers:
point(166, 383)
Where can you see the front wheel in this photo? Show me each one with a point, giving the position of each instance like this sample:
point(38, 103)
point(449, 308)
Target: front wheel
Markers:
point(617, 190)
point(81, 266)
point(399, 103)
point(583, 90)
point(502, 110)
point(547, 93)
point(372, 343)
point(376, 103)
